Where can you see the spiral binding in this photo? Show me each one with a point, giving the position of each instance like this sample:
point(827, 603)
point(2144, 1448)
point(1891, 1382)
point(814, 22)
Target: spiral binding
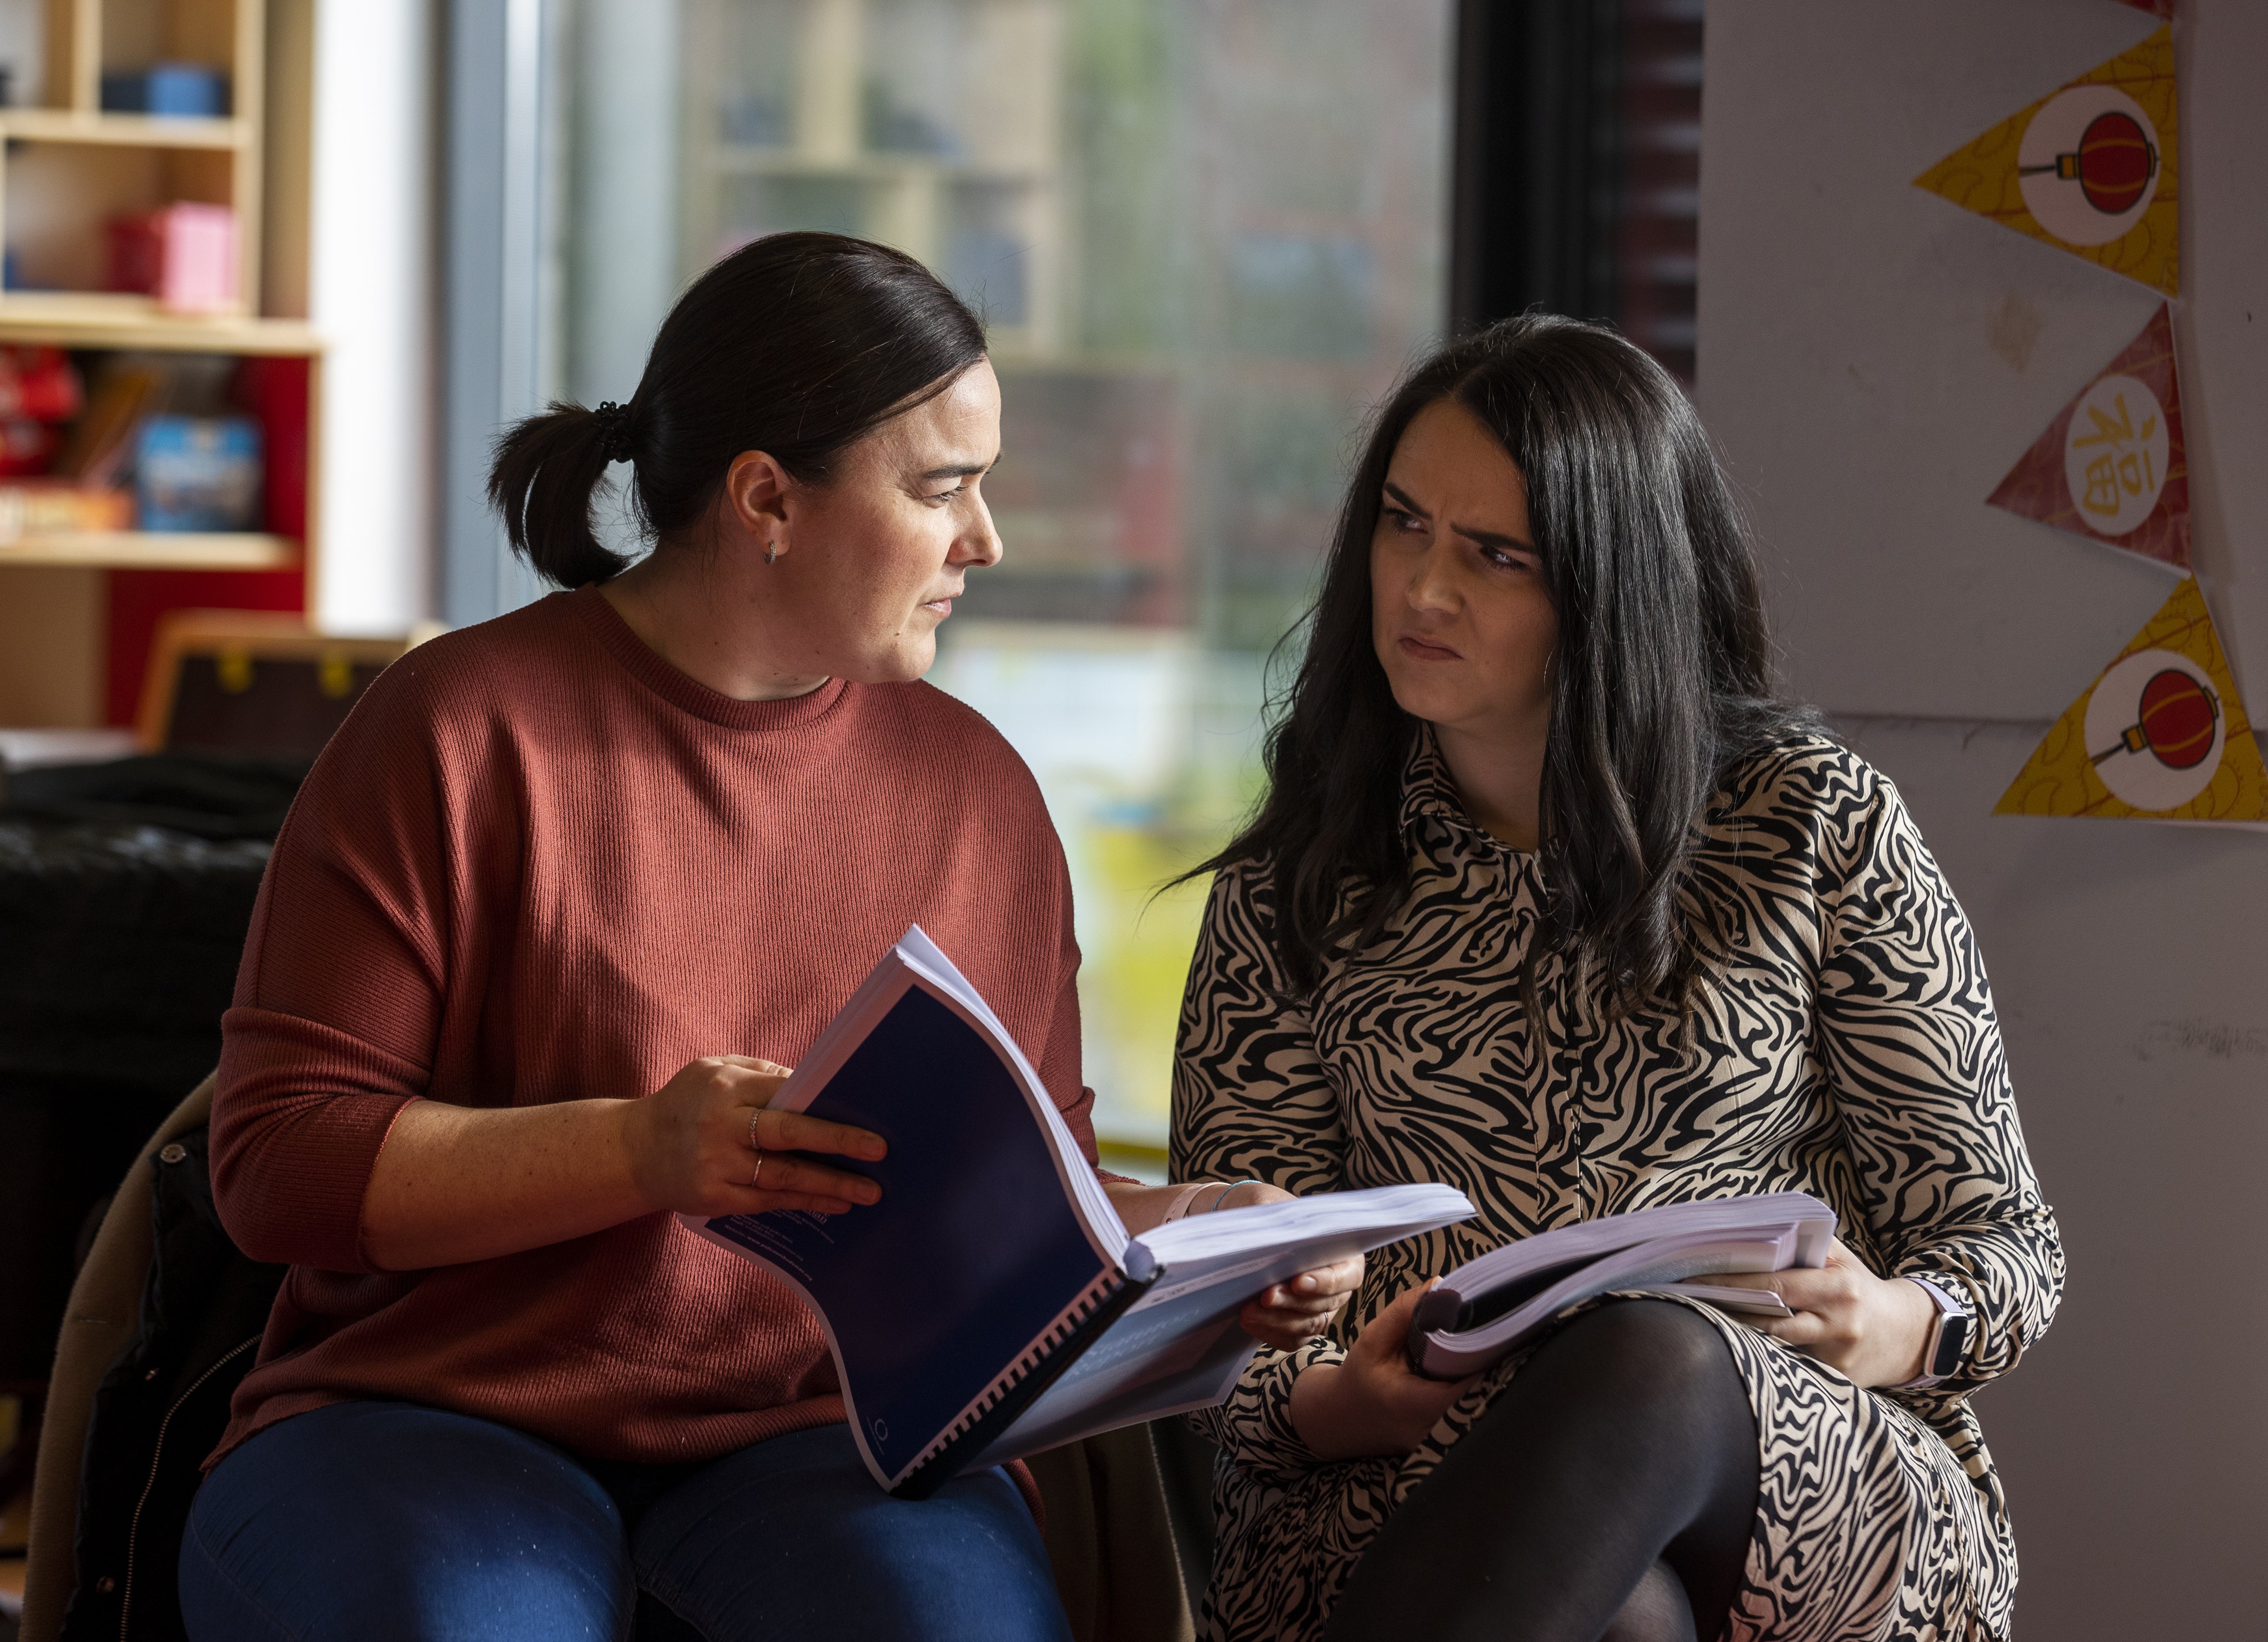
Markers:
point(1059, 1332)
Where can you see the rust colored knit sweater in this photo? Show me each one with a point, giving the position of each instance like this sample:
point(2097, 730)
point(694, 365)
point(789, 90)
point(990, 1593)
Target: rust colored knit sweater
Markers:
point(539, 863)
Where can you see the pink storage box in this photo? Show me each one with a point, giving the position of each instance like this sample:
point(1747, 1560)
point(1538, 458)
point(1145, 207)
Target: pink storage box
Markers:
point(184, 254)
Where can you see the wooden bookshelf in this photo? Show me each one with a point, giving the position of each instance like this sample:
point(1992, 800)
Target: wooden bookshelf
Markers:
point(67, 125)
point(101, 319)
point(214, 160)
point(70, 166)
point(153, 550)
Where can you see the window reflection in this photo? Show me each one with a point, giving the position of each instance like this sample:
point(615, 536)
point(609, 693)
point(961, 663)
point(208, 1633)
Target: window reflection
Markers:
point(1204, 234)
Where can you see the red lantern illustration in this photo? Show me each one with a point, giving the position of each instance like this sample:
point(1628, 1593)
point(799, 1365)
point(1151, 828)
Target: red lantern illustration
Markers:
point(2115, 162)
point(2176, 722)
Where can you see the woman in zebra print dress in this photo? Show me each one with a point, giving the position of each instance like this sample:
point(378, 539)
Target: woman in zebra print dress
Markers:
point(1550, 901)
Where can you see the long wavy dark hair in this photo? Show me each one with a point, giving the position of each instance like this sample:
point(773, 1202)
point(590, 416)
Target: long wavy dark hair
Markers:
point(1660, 680)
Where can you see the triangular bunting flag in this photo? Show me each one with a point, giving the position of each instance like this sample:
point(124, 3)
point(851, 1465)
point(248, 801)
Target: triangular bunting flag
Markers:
point(2161, 734)
point(2090, 169)
point(2112, 465)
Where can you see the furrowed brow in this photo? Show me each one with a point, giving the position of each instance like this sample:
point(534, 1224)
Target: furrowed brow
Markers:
point(1493, 538)
point(1403, 500)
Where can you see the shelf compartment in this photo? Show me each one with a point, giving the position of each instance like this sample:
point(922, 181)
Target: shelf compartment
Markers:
point(73, 165)
point(154, 550)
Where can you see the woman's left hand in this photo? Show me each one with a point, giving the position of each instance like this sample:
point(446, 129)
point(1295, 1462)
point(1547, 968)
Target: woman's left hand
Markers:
point(1872, 1330)
point(1288, 1315)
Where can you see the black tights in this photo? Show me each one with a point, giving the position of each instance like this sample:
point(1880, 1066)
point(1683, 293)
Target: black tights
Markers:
point(1608, 1493)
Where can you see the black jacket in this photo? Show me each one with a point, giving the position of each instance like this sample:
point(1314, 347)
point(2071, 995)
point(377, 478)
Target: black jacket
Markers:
point(162, 1407)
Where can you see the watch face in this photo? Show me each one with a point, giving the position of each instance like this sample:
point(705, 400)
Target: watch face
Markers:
point(1951, 1340)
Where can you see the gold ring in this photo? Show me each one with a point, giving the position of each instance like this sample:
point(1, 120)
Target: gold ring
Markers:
point(758, 1173)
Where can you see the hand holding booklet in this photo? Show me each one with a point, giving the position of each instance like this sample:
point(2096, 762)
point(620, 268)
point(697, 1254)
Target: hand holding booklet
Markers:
point(1492, 1304)
point(992, 1304)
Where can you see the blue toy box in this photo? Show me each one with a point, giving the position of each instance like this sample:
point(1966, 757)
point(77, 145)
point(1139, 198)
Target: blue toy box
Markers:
point(198, 474)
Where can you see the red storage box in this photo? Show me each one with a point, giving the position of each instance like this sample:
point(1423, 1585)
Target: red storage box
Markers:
point(184, 255)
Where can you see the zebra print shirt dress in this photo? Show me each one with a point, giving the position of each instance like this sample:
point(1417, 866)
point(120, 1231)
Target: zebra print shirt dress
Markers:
point(1848, 1049)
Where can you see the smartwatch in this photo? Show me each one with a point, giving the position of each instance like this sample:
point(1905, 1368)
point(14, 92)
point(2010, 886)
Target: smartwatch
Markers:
point(1948, 1333)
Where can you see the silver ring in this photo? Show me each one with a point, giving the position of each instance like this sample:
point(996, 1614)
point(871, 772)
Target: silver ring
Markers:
point(754, 1145)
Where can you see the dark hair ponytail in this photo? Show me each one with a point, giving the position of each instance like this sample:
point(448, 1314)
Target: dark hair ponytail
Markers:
point(797, 345)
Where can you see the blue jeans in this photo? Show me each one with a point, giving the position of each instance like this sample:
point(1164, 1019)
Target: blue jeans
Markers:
point(387, 1520)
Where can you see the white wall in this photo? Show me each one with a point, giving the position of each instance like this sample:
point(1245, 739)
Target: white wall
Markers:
point(372, 294)
point(1873, 359)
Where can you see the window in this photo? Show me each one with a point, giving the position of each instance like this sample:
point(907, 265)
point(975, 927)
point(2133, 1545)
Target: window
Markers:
point(1578, 166)
point(1205, 234)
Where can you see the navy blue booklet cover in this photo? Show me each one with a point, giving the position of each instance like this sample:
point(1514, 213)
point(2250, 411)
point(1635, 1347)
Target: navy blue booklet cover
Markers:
point(995, 1259)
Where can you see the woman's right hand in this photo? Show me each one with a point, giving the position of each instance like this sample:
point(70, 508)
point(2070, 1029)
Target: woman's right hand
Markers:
point(1374, 1402)
point(689, 1145)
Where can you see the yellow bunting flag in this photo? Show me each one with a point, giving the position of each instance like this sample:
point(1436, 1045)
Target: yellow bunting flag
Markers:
point(2160, 735)
point(2090, 168)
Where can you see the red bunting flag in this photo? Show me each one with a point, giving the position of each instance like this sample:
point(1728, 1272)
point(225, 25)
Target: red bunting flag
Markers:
point(2111, 466)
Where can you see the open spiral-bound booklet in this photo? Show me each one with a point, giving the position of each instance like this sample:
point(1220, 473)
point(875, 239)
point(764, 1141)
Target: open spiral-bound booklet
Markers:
point(993, 1303)
point(1494, 1304)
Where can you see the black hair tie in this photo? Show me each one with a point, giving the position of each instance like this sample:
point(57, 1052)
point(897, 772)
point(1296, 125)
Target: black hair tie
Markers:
point(613, 422)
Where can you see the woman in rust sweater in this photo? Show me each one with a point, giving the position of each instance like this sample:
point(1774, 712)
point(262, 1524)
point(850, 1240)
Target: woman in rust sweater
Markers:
point(557, 909)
